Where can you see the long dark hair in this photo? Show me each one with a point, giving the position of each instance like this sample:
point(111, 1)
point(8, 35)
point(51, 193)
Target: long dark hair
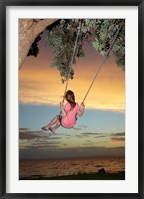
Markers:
point(70, 97)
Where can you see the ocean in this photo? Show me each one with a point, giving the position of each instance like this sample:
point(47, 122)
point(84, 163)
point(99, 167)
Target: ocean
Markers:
point(51, 168)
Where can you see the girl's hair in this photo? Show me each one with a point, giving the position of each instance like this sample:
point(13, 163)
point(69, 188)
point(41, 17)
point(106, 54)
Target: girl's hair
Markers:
point(70, 97)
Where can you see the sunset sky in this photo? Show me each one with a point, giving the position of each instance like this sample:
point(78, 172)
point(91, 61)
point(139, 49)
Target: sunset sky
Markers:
point(101, 130)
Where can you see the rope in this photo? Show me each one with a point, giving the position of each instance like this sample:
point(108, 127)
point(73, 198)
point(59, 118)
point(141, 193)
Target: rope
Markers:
point(69, 71)
point(102, 62)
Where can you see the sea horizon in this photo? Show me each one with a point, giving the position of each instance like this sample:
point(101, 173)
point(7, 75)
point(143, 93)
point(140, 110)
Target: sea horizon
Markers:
point(67, 158)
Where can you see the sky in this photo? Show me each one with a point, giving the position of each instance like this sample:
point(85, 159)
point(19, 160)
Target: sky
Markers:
point(100, 132)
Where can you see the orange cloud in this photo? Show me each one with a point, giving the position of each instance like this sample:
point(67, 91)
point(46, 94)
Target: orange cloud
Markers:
point(118, 139)
point(40, 84)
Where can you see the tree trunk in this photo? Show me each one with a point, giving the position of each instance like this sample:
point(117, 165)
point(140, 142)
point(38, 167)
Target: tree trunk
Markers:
point(29, 29)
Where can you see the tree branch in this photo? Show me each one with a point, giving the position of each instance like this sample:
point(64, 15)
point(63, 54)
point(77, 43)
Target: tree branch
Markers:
point(29, 29)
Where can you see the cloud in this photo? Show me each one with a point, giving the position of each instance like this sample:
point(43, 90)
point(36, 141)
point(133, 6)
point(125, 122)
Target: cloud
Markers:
point(44, 145)
point(76, 128)
point(118, 134)
point(24, 129)
point(102, 136)
point(99, 138)
point(79, 136)
point(110, 92)
point(80, 127)
point(37, 139)
point(29, 135)
point(26, 133)
point(97, 135)
point(89, 133)
point(118, 139)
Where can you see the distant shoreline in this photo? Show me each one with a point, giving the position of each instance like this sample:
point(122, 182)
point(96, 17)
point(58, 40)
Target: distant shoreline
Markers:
point(76, 158)
point(81, 176)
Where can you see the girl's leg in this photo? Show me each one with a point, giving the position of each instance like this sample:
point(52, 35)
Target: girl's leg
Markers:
point(53, 121)
point(55, 127)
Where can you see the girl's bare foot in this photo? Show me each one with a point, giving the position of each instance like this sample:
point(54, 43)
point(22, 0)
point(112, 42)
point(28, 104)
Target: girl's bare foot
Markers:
point(45, 128)
point(52, 130)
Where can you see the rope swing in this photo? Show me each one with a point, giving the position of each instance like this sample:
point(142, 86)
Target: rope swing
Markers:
point(103, 62)
point(72, 58)
point(99, 68)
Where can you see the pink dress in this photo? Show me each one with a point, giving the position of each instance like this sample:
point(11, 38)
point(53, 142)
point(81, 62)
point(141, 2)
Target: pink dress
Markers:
point(69, 120)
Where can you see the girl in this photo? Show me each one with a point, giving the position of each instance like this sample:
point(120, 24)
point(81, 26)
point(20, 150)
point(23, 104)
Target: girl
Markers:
point(68, 115)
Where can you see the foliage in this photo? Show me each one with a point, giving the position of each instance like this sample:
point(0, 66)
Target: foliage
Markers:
point(100, 32)
point(106, 31)
point(62, 37)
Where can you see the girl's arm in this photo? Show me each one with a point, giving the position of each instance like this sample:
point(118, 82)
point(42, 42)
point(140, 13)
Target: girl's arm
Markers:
point(62, 108)
point(82, 109)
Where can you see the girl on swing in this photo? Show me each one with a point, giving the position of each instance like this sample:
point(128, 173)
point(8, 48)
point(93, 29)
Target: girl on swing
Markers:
point(69, 112)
